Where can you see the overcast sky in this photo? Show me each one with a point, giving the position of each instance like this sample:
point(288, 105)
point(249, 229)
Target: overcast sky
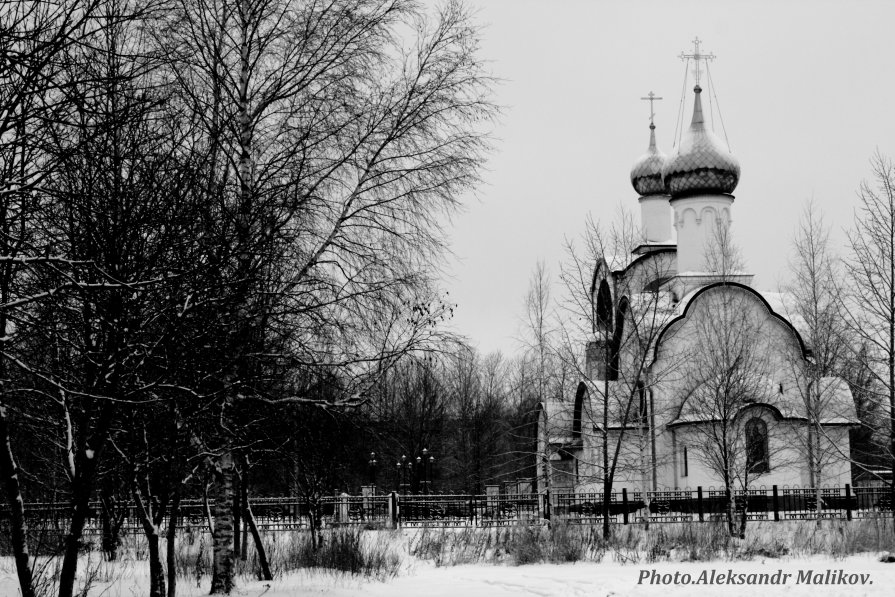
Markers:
point(805, 89)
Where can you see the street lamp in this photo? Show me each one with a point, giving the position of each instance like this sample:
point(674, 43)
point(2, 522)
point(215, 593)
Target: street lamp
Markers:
point(372, 464)
point(426, 470)
point(429, 464)
point(405, 471)
point(420, 475)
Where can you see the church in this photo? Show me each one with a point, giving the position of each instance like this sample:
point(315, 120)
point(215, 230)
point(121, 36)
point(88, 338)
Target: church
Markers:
point(692, 377)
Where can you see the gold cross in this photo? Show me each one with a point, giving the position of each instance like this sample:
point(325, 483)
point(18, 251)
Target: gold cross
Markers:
point(697, 56)
point(651, 97)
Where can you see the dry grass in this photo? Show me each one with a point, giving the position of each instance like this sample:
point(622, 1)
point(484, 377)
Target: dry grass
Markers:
point(662, 542)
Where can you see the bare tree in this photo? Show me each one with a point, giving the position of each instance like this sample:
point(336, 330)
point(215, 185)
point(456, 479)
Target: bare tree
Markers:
point(815, 303)
point(334, 151)
point(34, 40)
point(618, 312)
point(726, 353)
point(725, 371)
point(871, 273)
point(538, 331)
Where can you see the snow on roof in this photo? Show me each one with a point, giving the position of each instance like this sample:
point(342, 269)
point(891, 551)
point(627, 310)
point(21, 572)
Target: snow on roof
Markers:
point(836, 404)
point(784, 304)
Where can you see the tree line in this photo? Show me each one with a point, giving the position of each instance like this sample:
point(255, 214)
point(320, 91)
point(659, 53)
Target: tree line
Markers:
point(212, 213)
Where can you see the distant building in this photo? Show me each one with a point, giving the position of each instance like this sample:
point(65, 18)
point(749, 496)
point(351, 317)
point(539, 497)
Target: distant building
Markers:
point(659, 344)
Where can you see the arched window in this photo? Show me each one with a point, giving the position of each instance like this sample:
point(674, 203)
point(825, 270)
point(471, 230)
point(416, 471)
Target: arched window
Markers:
point(603, 306)
point(757, 446)
point(617, 339)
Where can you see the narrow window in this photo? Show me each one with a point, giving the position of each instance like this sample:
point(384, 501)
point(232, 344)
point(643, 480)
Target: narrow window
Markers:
point(684, 464)
point(757, 446)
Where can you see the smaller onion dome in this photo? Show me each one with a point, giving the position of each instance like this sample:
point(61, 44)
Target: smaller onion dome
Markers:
point(646, 173)
point(701, 164)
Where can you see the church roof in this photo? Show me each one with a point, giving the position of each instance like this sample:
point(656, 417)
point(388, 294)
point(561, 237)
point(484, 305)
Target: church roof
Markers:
point(836, 404)
point(701, 163)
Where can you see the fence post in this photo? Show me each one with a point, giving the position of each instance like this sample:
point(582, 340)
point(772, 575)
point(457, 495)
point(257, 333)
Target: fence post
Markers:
point(699, 507)
point(776, 502)
point(624, 504)
point(393, 509)
point(848, 514)
point(472, 510)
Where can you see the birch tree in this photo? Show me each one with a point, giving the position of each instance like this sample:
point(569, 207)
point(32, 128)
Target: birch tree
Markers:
point(816, 301)
point(870, 270)
point(336, 147)
point(619, 315)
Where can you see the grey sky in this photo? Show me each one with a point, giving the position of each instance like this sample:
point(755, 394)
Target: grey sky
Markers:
point(805, 88)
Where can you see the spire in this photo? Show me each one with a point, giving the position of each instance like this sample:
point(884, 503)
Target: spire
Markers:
point(698, 118)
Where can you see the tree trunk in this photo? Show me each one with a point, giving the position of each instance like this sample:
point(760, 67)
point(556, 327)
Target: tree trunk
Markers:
point(81, 486)
point(818, 494)
point(19, 531)
point(313, 520)
point(237, 510)
point(207, 507)
point(156, 570)
point(607, 479)
point(173, 521)
point(72, 542)
point(244, 501)
point(110, 528)
point(151, 521)
point(222, 539)
point(259, 546)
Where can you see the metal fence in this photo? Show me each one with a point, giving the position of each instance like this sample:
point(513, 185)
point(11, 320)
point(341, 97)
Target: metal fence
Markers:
point(497, 509)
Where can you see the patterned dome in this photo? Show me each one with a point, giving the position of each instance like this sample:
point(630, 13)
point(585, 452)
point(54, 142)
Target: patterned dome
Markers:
point(701, 163)
point(646, 173)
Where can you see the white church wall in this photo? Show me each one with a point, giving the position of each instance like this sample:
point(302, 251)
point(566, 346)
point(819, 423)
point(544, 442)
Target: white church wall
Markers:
point(695, 220)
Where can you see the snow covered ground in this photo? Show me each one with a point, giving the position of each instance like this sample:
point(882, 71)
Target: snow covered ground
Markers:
point(597, 580)
point(423, 579)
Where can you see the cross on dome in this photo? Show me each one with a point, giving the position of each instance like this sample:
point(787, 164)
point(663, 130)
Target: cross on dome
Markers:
point(697, 56)
point(652, 97)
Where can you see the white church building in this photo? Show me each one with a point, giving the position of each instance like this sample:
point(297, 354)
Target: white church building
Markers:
point(691, 374)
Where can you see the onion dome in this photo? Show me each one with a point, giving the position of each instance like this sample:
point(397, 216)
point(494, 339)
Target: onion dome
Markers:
point(701, 163)
point(646, 173)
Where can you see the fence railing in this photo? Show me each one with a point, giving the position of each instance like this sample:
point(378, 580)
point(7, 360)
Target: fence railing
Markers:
point(496, 509)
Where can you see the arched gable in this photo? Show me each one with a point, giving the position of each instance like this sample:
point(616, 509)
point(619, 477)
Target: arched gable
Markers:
point(805, 353)
point(637, 277)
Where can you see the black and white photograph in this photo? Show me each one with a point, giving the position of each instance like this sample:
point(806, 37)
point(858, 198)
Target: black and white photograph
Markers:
point(447, 298)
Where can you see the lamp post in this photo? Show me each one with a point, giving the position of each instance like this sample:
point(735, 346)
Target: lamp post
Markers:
point(372, 468)
point(420, 475)
point(429, 464)
point(427, 461)
point(405, 471)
